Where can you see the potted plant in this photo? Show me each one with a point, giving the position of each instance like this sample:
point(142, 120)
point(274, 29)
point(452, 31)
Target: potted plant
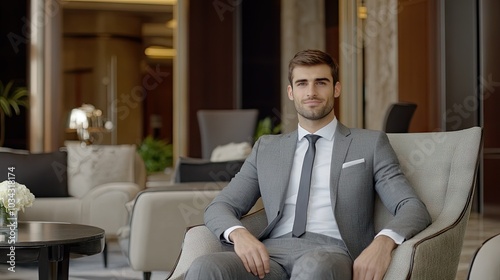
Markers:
point(157, 154)
point(11, 99)
point(266, 126)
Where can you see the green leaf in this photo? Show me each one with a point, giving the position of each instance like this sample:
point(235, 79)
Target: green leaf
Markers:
point(157, 154)
point(4, 105)
point(11, 99)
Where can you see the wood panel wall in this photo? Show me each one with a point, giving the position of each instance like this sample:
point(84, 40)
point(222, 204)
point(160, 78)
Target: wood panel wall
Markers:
point(211, 63)
point(417, 58)
point(489, 44)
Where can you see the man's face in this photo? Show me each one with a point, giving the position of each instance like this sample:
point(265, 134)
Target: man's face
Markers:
point(313, 91)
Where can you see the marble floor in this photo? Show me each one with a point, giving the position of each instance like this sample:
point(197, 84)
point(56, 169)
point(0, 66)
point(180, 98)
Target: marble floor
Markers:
point(479, 229)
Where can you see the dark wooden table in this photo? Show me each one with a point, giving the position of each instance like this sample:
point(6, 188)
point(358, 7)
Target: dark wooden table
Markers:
point(52, 245)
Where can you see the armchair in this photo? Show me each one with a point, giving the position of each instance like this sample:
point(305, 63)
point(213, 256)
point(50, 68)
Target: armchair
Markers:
point(442, 168)
point(484, 264)
point(152, 240)
point(220, 127)
point(398, 117)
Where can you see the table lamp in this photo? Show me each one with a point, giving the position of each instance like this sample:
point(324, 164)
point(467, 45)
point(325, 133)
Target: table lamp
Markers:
point(86, 121)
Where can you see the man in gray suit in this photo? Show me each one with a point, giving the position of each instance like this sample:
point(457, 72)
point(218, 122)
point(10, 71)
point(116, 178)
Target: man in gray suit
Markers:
point(351, 167)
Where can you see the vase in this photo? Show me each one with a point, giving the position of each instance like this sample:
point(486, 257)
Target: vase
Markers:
point(8, 220)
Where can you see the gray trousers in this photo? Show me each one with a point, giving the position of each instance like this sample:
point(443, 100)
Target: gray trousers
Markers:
point(312, 256)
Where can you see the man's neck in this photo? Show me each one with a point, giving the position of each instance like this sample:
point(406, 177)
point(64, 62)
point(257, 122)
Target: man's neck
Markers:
point(314, 125)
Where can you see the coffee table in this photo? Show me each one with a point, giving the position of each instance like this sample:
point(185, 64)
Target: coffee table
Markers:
point(52, 245)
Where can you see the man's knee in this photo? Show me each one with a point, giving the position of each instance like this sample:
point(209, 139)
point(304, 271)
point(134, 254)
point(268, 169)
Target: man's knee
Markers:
point(214, 266)
point(202, 265)
point(323, 265)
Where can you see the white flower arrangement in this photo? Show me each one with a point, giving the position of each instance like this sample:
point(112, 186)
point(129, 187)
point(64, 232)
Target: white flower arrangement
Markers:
point(15, 196)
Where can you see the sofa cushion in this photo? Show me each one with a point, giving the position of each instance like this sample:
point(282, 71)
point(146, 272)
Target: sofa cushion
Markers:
point(93, 165)
point(200, 170)
point(44, 174)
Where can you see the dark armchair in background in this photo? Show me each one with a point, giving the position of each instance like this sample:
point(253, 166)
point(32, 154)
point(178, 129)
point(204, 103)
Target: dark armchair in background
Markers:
point(220, 127)
point(398, 117)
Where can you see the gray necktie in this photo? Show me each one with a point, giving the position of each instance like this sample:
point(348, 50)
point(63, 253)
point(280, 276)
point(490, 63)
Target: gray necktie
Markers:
point(299, 225)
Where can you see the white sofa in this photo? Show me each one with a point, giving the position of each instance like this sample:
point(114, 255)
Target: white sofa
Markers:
point(99, 181)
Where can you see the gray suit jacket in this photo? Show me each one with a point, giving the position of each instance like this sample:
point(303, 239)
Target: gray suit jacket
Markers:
point(266, 173)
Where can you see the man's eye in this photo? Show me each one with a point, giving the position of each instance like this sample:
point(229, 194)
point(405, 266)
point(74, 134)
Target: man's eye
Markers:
point(301, 84)
point(321, 83)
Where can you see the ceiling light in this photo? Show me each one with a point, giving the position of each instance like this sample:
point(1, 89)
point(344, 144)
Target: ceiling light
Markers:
point(159, 52)
point(171, 23)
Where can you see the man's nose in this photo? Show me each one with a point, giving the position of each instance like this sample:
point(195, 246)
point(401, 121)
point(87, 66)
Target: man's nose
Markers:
point(311, 90)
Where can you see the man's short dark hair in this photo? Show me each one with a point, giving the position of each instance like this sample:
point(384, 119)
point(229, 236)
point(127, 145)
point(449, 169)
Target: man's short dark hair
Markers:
point(312, 58)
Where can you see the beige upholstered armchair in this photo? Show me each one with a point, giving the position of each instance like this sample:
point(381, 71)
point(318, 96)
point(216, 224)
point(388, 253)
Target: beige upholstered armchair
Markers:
point(442, 168)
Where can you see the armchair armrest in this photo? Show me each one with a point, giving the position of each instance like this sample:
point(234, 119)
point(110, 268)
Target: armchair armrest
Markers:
point(199, 241)
point(422, 256)
point(104, 206)
point(158, 222)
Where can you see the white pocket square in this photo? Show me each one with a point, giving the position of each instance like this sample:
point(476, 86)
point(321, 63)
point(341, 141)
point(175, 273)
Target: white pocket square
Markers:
point(354, 162)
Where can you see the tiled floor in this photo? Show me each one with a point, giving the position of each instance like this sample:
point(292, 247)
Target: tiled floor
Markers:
point(478, 230)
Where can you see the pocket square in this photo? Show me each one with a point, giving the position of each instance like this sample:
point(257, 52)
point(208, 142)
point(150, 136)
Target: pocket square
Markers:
point(354, 162)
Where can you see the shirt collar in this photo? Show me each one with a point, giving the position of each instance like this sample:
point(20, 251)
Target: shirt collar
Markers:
point(326, 132)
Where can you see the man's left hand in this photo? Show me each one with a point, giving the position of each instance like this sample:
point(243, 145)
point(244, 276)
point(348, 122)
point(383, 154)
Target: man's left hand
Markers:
point(373, 262)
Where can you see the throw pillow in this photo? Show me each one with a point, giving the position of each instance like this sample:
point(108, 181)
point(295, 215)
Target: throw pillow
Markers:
point(44, 174)
point(231, 151)
point(93, 165)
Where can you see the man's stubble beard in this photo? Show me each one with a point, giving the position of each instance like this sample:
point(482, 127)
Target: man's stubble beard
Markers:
point(315, 114)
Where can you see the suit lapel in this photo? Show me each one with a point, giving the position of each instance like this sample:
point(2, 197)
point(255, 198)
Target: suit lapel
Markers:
point(287, 153)
point(341, 144)
point(282, 158)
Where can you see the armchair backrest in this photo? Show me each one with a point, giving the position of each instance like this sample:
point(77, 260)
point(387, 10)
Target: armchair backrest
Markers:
point(398, 117)
point(220, 127)
point(89, 166)
point(441, 167)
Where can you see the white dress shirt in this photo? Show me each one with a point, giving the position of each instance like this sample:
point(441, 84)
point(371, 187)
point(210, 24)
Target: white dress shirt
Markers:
point(320, 218)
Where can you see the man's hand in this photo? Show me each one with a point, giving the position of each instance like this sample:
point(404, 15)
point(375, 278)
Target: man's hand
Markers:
point(251, 251)
point(373, 262)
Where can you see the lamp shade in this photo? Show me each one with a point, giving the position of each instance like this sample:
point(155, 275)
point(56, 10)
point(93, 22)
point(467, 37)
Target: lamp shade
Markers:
point(86, 120)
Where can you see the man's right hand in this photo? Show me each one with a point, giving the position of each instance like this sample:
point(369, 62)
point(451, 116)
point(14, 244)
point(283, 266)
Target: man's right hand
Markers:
point(251, 251)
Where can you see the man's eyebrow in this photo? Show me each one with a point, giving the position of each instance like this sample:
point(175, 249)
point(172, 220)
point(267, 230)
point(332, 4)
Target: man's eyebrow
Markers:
point(300, 81)
point(316, 80)
point(322, 80)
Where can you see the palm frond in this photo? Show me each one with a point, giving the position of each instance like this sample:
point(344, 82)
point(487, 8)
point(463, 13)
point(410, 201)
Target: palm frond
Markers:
point(6, 90)
point(20, 93)
point(4, 105)
point(15, 106)
point(11, 99)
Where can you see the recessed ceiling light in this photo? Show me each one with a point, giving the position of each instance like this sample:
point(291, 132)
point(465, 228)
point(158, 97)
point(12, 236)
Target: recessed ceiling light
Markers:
point(159, 52)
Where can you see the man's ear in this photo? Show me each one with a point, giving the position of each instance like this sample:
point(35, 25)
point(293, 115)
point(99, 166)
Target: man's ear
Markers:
point(289, 89)
point(337, 89)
